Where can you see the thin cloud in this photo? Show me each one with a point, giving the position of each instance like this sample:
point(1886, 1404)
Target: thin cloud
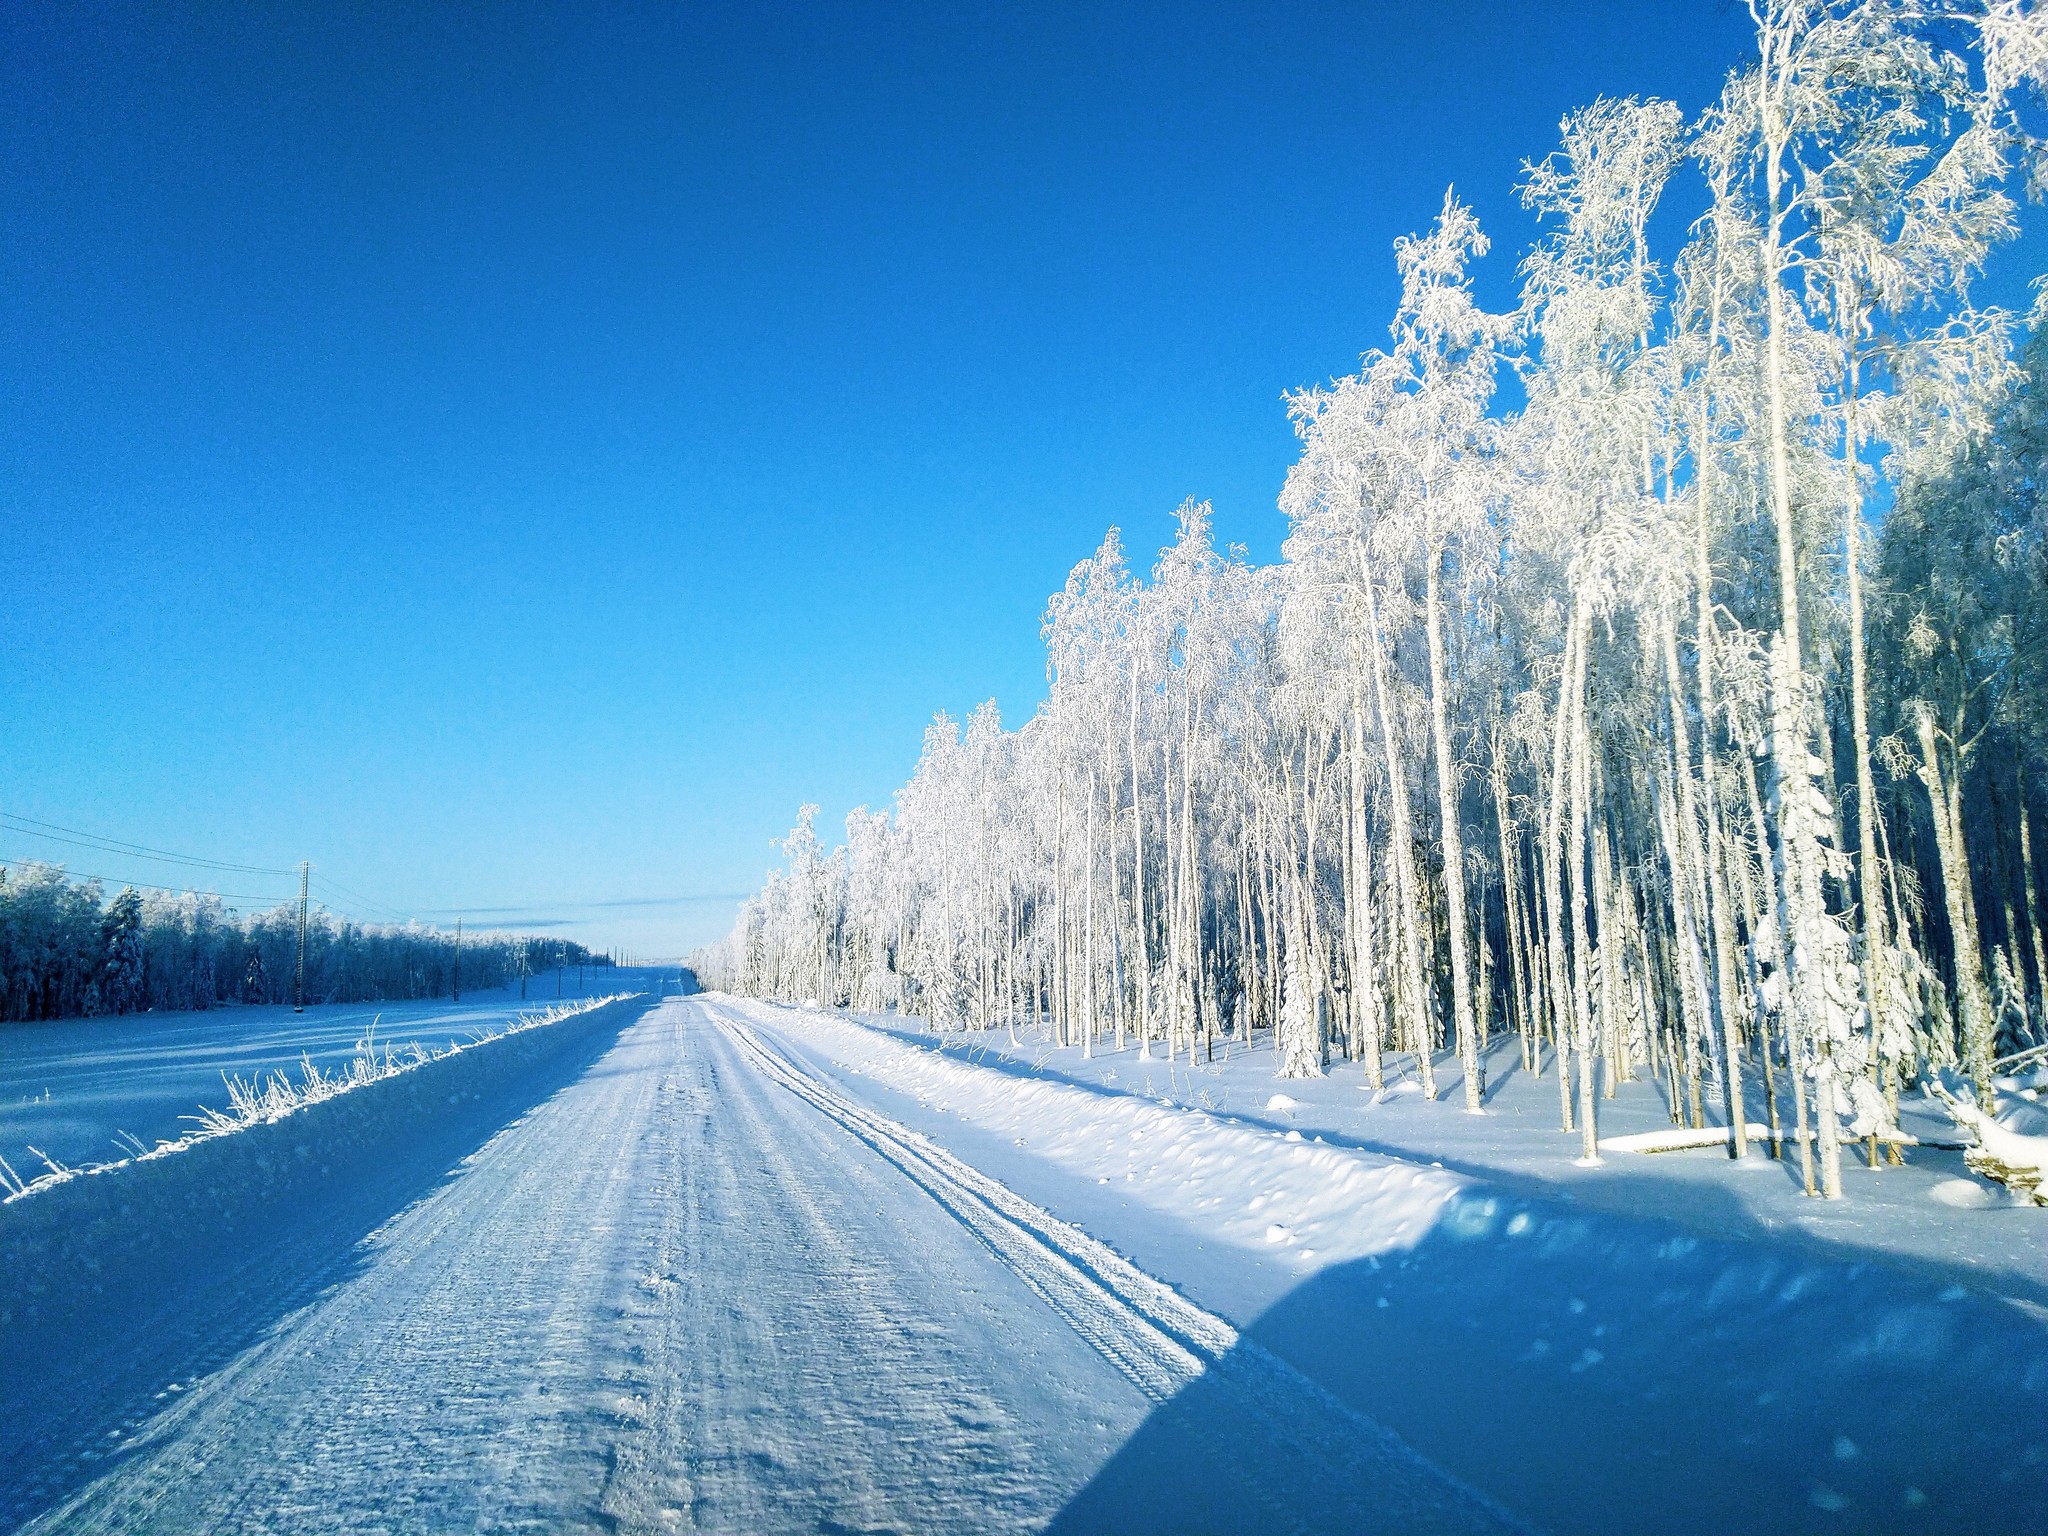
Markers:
point(582, 906)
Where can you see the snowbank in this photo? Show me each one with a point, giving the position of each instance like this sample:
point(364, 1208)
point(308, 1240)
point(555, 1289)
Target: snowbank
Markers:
point(1248, 1187)
point(89, 1223)
point(89, 1090)
point(121, 1288)
point(271, 1097)
point(1683, 1139)
point(1895, 1214)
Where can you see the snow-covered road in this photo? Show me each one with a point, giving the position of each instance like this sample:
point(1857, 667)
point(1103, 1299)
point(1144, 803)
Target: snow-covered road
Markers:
point(695, 1285)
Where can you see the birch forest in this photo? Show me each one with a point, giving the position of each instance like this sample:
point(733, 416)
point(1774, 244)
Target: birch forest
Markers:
point(1654, 683)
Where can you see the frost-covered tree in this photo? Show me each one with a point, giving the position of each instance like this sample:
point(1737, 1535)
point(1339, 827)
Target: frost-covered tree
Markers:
point(65, 952)
point(1646, 716)
point(121, 976)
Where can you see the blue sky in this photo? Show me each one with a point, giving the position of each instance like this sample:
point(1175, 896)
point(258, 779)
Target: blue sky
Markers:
point(513, 456)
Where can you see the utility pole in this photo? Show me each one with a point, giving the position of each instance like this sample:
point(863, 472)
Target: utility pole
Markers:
point(299, 979)
point(458, 960)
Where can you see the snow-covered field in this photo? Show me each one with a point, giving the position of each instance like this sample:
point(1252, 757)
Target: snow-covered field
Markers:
point(729, 1266)
point(75, 1088)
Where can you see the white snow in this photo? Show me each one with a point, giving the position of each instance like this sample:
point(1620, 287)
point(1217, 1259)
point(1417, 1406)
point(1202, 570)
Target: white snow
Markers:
point(1342, 1205)
point(79, 1088)
point(1447, 1298)
point(691, 1285)
point(271, 1097)
point(1678, 1139)
point(753, 1268)
point(1997, 1150)
point(1894, 1213)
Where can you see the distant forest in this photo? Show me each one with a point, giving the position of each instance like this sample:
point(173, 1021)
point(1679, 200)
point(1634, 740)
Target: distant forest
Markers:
point(67, 950)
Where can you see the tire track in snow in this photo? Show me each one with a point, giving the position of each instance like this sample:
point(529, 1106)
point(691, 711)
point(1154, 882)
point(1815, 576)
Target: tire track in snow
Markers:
point(1157, 1338)
point(681, 1294)
point(775, 1281)
point(665, 1299)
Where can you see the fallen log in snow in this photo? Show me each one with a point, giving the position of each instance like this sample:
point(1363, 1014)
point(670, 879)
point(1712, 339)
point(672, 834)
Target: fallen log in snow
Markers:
point(2034, 1054)
point(1680, 1139)
point(2018, 1162)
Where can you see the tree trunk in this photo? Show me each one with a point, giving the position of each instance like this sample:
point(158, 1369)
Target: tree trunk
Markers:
point(1973, 996)
point(1408, 903)
point(1511, 897)
point(1453, 848)
point(1358, 906)
point(1088, 1019)
point(1139, 924)
point(1582, 1011)
point(2027, 881)
point(1870, 882)
point(1568, 686)
point(1713, 995)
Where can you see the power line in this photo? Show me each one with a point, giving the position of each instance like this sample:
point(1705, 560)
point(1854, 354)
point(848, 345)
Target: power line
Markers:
point(375, 906)
point(588, 906)
point(144, 885)
point(335, 888)
point(48, 830)
point(331, 882)
point(354, 911)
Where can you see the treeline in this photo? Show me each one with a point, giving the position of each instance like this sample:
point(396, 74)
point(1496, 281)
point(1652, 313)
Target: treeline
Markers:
point(1686, 720)
point(66, 950)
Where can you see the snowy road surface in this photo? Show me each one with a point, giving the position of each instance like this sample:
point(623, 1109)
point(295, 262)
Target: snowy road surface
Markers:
point(695, 1285)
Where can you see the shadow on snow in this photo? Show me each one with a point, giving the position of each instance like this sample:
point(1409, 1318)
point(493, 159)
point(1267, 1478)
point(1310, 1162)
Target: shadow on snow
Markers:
point(1599, 1374)
point(181, 1273)
point(1694, 1208)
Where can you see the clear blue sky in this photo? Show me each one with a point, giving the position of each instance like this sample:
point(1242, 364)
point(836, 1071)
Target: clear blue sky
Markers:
point(513, 456)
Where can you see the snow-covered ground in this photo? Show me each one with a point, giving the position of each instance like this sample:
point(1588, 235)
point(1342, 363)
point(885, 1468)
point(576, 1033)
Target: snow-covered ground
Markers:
point(1590, 1347)
point(1931, 1213)
point(691, 1286)
point(73, 1088)
point(729, 1266)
